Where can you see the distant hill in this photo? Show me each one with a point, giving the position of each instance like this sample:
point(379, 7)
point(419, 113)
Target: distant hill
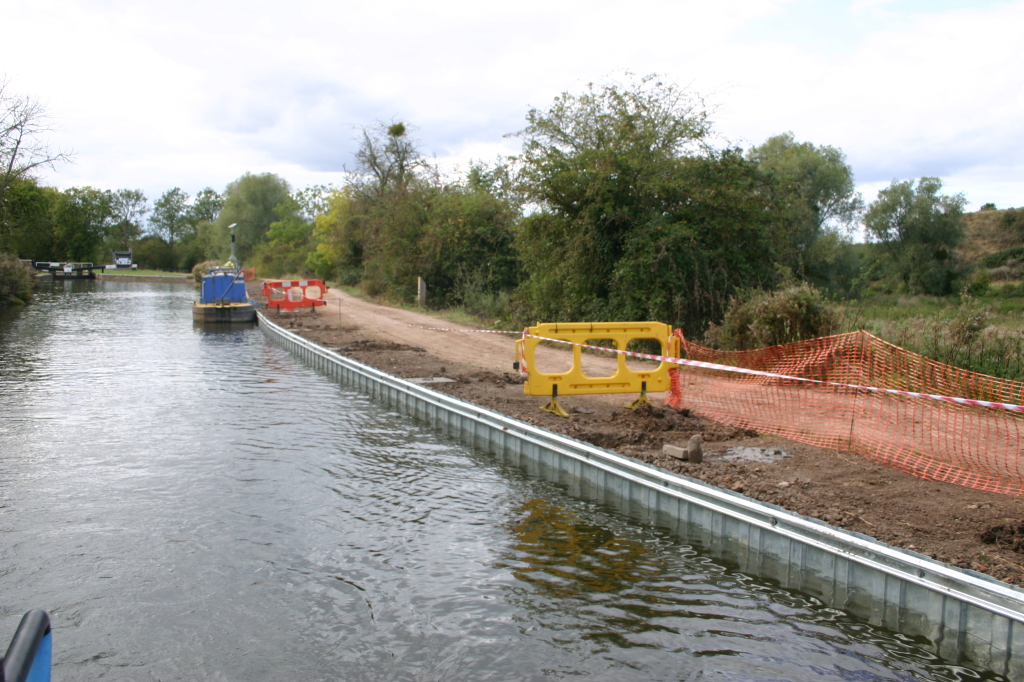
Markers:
point(994, 241)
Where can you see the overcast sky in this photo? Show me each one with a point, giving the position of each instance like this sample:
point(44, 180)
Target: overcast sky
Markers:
point(156, 94)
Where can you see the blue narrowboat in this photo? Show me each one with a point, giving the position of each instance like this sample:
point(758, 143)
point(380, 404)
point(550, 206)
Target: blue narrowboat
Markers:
point(222, 297)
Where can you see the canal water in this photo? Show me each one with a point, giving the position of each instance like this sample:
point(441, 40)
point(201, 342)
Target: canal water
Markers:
point(192, 503)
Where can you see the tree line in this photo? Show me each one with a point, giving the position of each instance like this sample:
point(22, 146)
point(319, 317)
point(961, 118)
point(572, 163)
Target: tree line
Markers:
point(620, 205)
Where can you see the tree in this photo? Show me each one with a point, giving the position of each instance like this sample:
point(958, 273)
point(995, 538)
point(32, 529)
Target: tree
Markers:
point(466, 251)
point(27, 224)
point(314, 200)
point(23, 121)
point(816, 186)
point(170, 218)
point(152, 252)
point(129, 206)
point(205, 207)
point(339, 241)
point(287, 243)
point(599, 164)
point(195, 246)
point(457, 234)
point(918, 229)
point(820, 176)
point(387, 158)
point(636, 215)
point(249, 202)
point(685, 266)
point(84, 216)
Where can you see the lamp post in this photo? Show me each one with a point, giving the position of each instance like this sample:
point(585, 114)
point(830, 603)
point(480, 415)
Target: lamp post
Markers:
point(232, 258)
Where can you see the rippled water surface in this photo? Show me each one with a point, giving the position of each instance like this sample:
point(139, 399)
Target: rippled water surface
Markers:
point(196, 504)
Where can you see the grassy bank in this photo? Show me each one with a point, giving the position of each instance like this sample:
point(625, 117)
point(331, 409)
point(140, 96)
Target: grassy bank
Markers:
point(982, 334)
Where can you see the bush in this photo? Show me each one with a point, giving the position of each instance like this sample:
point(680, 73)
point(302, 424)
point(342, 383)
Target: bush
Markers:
point(994, 260)
point(1013, 220)
point(981, 284)
point(17, 280)
point(968, 320)
point(1011, 290)
point(769, 318)
point(200, 269)
point(153, 253)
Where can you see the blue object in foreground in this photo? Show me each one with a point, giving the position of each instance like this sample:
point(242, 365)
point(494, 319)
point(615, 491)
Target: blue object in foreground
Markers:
point(31, 651)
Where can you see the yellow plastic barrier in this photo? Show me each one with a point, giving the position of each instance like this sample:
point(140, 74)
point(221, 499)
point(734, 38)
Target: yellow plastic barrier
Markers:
point(575, 381)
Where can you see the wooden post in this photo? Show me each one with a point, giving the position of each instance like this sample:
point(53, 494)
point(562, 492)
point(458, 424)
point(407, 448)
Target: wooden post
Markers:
point(421, 292)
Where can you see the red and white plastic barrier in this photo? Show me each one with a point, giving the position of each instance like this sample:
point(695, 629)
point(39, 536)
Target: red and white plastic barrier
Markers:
point(294, 294)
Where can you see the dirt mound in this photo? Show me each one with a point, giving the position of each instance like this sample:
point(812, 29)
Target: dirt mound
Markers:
point(1007, 536)
point(375, 345)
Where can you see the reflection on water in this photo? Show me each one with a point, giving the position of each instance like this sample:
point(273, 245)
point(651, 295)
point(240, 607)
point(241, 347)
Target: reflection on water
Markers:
point(194, 503)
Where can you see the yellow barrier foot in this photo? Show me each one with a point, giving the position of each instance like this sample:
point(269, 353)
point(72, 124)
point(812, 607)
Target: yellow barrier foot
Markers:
point(554, 408)
point(642, 400)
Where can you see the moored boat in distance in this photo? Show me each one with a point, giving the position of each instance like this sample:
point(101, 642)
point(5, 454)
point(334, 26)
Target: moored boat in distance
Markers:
point(222, 298)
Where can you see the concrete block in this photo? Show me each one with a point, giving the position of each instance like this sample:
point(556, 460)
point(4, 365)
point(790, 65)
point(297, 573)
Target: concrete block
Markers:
point(675, 451)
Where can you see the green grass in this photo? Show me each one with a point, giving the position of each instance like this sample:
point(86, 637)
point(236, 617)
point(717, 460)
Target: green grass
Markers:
point(983, 334)
point(1005, 312)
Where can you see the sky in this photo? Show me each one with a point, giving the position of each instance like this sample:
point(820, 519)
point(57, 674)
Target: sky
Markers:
point(153, 95)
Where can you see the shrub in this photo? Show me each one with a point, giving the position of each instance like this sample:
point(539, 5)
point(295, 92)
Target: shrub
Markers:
point(968, 321)
point(200, 269)
point(981, 284)
point(17, 280)
point(994, 260)
point(1003, 273)
point(153, 253)
point(1013, 220)
point(793, 313)
point(1011, 290)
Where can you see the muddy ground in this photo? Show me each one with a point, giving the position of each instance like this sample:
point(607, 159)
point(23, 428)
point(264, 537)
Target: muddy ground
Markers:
point(963, 527)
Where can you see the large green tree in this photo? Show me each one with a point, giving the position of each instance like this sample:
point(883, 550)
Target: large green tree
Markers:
point(201, 214)
point(170, 216)
point(918, 229)
point(84, 216)
point(205, 206)
point(249, 202)
point(635, 214)
point(27, 221)
point(129, 207)
point(816, 190)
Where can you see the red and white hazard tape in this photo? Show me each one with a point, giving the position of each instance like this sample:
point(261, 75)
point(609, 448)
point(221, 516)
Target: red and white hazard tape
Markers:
point(754, 372)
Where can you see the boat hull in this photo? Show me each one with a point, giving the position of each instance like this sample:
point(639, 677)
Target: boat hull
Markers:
point(214, 313)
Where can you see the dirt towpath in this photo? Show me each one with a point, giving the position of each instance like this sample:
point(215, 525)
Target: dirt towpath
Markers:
point(960, 526)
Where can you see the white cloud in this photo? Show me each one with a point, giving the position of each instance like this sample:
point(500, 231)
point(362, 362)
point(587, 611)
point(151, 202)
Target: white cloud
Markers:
point(192, 94)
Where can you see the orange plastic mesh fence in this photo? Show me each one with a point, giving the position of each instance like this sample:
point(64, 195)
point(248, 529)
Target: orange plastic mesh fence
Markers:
point(977, 447)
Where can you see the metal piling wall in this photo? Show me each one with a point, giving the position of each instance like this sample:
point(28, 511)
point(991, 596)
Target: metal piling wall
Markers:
point(966, 616)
